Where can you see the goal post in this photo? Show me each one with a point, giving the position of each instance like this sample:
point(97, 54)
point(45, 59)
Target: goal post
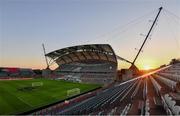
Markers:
point(73, 92)
point(37, 84)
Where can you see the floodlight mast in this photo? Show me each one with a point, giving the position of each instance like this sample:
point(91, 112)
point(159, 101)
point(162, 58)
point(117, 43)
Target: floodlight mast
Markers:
point(45, 56)
point(146, 37)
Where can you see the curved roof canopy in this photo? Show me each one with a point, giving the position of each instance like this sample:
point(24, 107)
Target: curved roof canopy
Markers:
point(101, 52)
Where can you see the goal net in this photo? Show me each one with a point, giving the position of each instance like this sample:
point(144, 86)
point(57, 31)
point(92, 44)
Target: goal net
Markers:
point(73, 92)
point(37, 84)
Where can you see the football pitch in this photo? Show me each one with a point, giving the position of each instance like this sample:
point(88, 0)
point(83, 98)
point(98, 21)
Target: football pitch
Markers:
point(18, 96)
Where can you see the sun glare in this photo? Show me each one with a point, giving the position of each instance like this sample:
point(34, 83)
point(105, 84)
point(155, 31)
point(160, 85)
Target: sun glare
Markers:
point(146, 67)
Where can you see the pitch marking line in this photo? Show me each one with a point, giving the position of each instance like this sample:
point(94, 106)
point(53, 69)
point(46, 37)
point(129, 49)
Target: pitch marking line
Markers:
point(24, 101)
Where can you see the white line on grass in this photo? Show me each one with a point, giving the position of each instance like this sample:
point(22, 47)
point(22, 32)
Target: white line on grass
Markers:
point(24, 101)
point(20, 99)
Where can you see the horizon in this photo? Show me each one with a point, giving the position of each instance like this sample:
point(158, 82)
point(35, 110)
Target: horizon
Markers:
point(58, 24)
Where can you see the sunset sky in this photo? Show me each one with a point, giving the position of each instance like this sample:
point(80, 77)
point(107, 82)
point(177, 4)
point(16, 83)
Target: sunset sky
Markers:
point(26, 24)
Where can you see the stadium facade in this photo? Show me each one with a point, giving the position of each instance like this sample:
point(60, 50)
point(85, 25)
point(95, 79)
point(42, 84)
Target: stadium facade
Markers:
point(93, 63)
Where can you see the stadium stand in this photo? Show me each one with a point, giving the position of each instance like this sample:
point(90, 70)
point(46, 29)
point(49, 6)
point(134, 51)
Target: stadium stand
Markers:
point(168, 82)
point(93, 63)
point(9, 72)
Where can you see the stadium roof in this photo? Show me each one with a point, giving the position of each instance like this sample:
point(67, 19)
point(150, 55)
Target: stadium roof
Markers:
point(98, 52)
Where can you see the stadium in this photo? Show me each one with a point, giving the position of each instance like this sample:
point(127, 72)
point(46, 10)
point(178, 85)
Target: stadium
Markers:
point(87, 82)
point(93, 63)
point(82, 71)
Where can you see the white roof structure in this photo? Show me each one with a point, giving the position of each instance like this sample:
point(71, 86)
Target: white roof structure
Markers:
point(91, 52)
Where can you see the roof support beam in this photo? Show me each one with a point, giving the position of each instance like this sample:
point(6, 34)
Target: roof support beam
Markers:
point(84, 55)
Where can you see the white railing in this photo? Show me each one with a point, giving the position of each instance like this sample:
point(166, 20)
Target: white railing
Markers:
point(136, 89)
point(156, 85)
point(125, 110)
point(147, 108)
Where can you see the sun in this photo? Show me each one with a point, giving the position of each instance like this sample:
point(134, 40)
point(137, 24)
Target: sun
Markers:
point(146, 67)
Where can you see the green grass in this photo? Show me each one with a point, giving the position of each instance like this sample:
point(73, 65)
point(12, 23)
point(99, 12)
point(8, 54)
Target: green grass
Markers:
point(14, 101)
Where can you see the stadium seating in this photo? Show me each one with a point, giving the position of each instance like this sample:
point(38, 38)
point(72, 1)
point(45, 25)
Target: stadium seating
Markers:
point(168, 111)
point(136, 89)
point(101, 73)
point(125, 110)
point(172, 104)
point(97, 102)
point(119, 99)
point(3, 74)
point(147, 107)
point(176, 110)
point(168, 82)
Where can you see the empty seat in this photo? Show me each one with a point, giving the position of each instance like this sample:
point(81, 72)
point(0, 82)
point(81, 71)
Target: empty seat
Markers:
point(171, 104)
point(176, 110)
